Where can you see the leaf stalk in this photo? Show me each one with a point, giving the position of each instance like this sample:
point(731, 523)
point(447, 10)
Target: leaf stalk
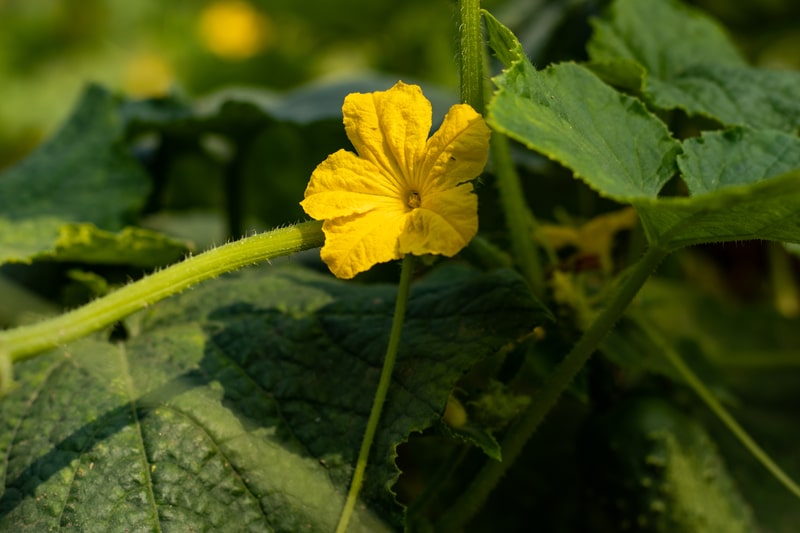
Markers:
point(379, 399)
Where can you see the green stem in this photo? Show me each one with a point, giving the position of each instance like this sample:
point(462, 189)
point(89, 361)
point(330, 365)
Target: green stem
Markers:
point(478, 491)
point(518, 217)
point(380, 394)
point(472, 92)
point(471, 47)
point(717, 408)
point(26, 341)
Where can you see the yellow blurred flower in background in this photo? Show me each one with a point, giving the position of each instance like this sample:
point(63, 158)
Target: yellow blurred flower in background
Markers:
point(234, 29)
point(148, 75)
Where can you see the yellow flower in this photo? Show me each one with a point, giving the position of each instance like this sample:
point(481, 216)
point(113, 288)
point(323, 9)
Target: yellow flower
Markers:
point(404, 193)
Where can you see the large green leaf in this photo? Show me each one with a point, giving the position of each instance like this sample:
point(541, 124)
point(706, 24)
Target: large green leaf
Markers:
point(241, 405)
point(568, 114)
point(82, 174)
point(680, 58)
point(746, 185)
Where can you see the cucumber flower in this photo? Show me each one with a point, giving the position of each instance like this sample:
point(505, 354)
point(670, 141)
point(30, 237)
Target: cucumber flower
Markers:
point(404, 193)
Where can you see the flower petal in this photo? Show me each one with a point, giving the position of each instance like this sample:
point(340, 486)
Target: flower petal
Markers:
point(458, 151)
point(344, 185)
point(444, 224)
point(354, 244)
point(389, 128)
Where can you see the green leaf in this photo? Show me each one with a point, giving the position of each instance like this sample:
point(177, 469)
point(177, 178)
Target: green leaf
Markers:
point(625, 153)
point(132, 246)
point(241, 405)
point(717, 160)
point(50, 238)
point(317, 101)
point(86, 173)
point(766, 210)
point(505, 44)
point(663, 37)
point(82, 174)
point(477, 436)
point(239, 113)
point(680, 58)
point(746, 185)
point(623, 73)
point(733, 95)
point(651, 465)
point(606, 138)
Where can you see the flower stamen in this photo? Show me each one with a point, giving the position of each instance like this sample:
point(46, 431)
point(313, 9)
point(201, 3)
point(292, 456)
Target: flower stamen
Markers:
point(414, 200)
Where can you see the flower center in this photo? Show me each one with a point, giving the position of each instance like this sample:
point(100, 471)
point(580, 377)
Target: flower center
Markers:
point(413, 200)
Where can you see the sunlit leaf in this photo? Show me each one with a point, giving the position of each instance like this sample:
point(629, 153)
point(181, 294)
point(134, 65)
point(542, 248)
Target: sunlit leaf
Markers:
point(607, 139)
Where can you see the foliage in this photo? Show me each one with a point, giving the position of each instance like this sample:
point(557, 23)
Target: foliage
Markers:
point(241, 404)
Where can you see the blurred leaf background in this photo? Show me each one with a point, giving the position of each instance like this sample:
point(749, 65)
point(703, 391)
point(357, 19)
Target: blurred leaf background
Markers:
point(50, 48)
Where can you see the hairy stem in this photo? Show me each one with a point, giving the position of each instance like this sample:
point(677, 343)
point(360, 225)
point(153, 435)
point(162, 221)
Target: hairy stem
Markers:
point(476, 494)
point(380, 394)
point(471, 48)
point(26, 341)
